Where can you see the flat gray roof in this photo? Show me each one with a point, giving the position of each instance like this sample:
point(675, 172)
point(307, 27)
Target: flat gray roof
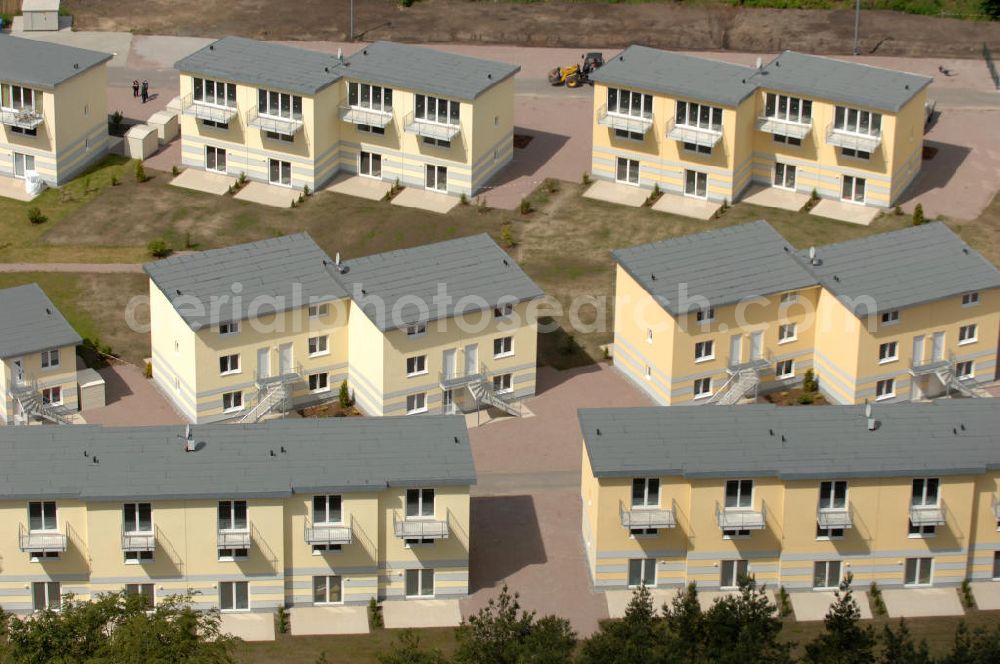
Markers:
point(678, 75)
point(724, 266)
point(234, 461)
point(901, 269)
point(273, 275)
point(264, 64)
point(44, 65)
point(426, 70)
point(39, 6)
point(30, 323)
point(474, 271)
point(946, 437)
point(836, 80)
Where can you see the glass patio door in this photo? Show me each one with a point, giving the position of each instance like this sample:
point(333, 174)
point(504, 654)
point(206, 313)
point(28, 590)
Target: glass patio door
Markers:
point(215, 159)
point(280, 172)
point(22, 164)
point(853, 189)
point(436, 177)
point(784, 176)
point(696, 184)
point(628, 171)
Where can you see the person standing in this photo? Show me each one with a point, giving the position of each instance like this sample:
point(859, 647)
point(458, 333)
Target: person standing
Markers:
point(135, 88)
point(145, 91)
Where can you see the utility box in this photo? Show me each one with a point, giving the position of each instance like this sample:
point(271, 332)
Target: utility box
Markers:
point(92, 393)
point(38, 15)
point(141, 142)
point(165, 124)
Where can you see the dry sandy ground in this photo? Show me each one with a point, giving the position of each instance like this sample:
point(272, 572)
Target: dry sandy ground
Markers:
point(664, 25)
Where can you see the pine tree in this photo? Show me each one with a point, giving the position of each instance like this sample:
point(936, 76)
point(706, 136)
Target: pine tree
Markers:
point(845, 640)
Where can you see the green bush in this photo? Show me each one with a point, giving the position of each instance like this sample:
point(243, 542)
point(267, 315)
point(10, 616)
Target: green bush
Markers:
point(810, 383)
point(551, 185)
point(282, 618)
point(586, 178)
point(966, 593)
point(374, 613)
point(175, 170)
point(148, 371)
point(806, 398)
point(158, 248)
point(345, 395)
point(525, 206)
point(114, 181)
point(507, 236)
point(918, 215)
point(35, 216)
point(875, 595)
point(140, 172)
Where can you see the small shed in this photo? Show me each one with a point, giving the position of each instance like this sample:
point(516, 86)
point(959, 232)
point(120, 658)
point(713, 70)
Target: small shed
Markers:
point(40, 15)
point(91, 389)
point(141, 141)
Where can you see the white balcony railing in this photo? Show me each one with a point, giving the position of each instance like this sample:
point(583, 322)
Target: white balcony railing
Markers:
point(449, 380)
point(834, 517)
point(419, 527)
point(277, 125)
point(203, 111)
point(927, 515)
point(40, 541)
point(429, 129)
point(234, 539)
point(638, 124)
point(645, 517)
point(23, 118)
point(851, 140)
point(327, 533)
point(704, 136)
point(138, 540)
point(782, 127)
point(739, 518)
point(365, 116)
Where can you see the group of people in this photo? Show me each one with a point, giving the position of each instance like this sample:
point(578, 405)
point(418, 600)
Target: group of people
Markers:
point(141, 90)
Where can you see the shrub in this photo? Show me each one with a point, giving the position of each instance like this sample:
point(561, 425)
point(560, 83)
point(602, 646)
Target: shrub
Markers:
point(306, 191)
point(463, 199)
point(282, 618)
point(551, 185)
point(158, 248)
point(875, 595)
point(814, 196)
point(242, 179)
point(918, 215)
point(175, 170)
point(114, 181)
point(405, 3)
point(374, 613)
point(117, 118)
point(897, 210)
point(507, 236)
point(784, 602)
point(35, 216)
point(809, 382)
point(140, 172)
point(966, 593)
point(148, 371)
point(345, 395)
point(481, 205)
point(525, 206)
point(586, 178)
point(806, 398)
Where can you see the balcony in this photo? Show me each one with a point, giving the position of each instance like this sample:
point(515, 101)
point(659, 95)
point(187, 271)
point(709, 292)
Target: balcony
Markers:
point(996, 509)
point(927, 515)
point(233, 538)
point(365, 116)
point(781, 127)
point(40, 541)
point(203, 111)
point(450, 380)
point(929, 367)
point(22, 118)
point(138, 540)
point(834, 517)
point(638, 124)
point(430, 129)
point(327, 533)
point(419, 528)
point(740, 518)
point(277, 125)
point(644, 517)
point(851, 140)
point(703, 136)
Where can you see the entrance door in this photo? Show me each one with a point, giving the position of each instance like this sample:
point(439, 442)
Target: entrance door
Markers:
point(918, 350)
point(280, 172)
point(448, 401)
point(784, 176)
point(471, 359)
point(735, 349)
point(448, 363)
point(628, 171)
point(436, 177)
point(215, 159)
point(285, 359)
point(264, 362)
point(853, 189)
point(17, 364)
point(22, 164)
point(370, 164)
point(756, 345)
point(696, 184)
point(937, 347)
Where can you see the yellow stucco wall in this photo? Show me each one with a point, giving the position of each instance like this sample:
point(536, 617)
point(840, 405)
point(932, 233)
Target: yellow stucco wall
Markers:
point(62, 376)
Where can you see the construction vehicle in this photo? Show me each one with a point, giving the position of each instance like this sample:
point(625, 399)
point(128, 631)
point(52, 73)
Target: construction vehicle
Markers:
point(576, 75)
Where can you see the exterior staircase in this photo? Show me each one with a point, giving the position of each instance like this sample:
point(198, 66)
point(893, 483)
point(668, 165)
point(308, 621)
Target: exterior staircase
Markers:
point(951, 382)
point(274, 395)
point(29, 399)
point(484, 393)
point(740, 382)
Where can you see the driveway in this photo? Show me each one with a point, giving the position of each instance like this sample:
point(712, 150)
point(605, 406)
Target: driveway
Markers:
point(127, 394)
point(526, 511)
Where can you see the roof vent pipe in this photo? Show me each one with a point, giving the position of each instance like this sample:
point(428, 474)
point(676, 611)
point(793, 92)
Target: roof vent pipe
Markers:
point(188, 439)
point(340, 54)
point(872, 424)
point(812, 256)
point(336, 259)
point(760, 63)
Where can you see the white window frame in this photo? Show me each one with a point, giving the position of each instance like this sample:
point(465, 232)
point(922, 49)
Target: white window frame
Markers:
point(437, 103)
point(736, 569)
point(425, 497)
point(885, 389)
point(52, 395)
point(506, 347)
point(355, 89)
point(789, 298)
point(919, 564)
point(229, 329)
point(740, 493)
point(416, 330)
point(888, 351)
point(646, 566)
point(968, 334)
point(46, 527)
point(789, 369)
point(503, 384)
point(970, 299)
point(50, 358)
point(416, 403)
point(965, 375)
point(229, 587)
point(136, 506)
point(266, 111)
point(319, 345)
point(231, 363)
point(420, 573)
point(780, 107)
point(232, 398)
point(650, 499)
point(828, 568)
point(19, 97)
point(889, 317)
point(416, 365)
point(328, 585)
point(704, 350)
point(843, 121)
point(319, 382)
point(318, 310)
point(138, 557)
point(706, 315)
point(705, 385)
point(787, 333)
point(688, 114)
point(216, 85)
point(138, 588)
point(53, 600)
point(615, 106)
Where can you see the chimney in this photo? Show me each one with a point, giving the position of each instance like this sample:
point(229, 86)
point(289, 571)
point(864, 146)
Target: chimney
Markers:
point(872, 423)
point(340, 54)
point(188, 439)
point(760, 63)
point(813, 260)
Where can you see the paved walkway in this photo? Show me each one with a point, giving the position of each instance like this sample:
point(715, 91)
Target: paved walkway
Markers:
point(687, 206)
point(311, 620)
point(852, 213)
point(617, 193)
point(776, 198)
point(421, 613)
point(95, 268)
point(128, 393)
point(425, 200)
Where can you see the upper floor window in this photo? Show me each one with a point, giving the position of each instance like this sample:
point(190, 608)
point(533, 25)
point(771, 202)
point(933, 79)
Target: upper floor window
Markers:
point(435, 109)
point(503, 347)
point(318, 310)
point(627, 102)
point(416, 365)
point(646, 492)
point(970, 299)
point(967, 334)
point(857, 121)
point(890, 317)
point(925, 492)
point(233, 515)
point(419, 503)
point(503, 310)
point(327, 509)
point(375, 97)
point(784, 107)
point(790, 297)
point(215, 92)
point(229, 364)
point(888, 351)
point(319, 345)
point(787, 332)
point(229, 328)
point(705, 315)
point(42, 515)
point(739, 494)
point(137, 517)
point(279, 104)
point(416, 330)
point(50, 358)
point(833, 495)
point(704, 350)
point(701, 116)
point(19, 98)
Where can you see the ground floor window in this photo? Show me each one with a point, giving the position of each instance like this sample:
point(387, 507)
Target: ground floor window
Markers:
point(416, 403)
point(502, 383)
point(448, 402)
point(628, 171)
point(964, 369)
point(320, 549)
point(918, 571)
point(280, 172)
point(694, 147)
point(319, 382)
point(856, 154)
point(826, 574)
point(643, 532)
point(229, 555)
point(234, 596)
point(277, 136)
point(642, 572)
point(232, 401)
point(702, 387)
point(145, 590)
point(631, 135)
point(52, 396)
point(436, 177)
point(215, 159)
point(370, 164)
point(739, 533)
point(829, 533)
point(46, 595)
point(419, 583)
point(885, 389)
point(853, 189)
point(328, 589)
point(787, 140)
point(784, 176)
point(695, 184)
point(732, 571)
point(22, 164)
point(996, 565)
point(785, 369)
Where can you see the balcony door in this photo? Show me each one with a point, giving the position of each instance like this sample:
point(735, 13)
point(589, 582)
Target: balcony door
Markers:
point(436, 177)
point(17, 365)
point(280, 172)
point(735, 349)
point(695, 184)
point(370, 164)
point(215, 159)
point(22, 164)
point(285, 359)
point(937, 347)
point(628, 171)
point(853, 189)
point(918, 350)
point(756, 345)
point(264, 362)
point(471, 359)
point(449, 363)
point(784, 176)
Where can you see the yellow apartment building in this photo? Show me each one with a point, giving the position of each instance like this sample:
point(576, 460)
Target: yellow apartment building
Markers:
point(715, 317)
point(707, 129)
point(53, 109)
point(295, 118)
point(295, 513)
point(904, 495)
point(38, 373)
point(245, 331)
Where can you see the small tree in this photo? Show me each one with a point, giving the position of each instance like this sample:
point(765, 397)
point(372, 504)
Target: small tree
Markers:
point(633, 639)
point(507, 236)
point(35, 216)
point(684, 626)
point(407, 650)
point(158, 248)
point(809, 382)
point(140, 172)
point(918, 215)
point(345, 395)
point(844, 639)
point(898, 646)
point(744, 628)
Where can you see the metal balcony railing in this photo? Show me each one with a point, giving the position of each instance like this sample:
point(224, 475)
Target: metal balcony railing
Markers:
point(704, 136)
point(430, 129)
point(365, 116)
point(763, 360)
point(834, 517)
point(645, 517)
point(277, 125)
point(327, 533)
point(740, 518)
point(996, 508)
point(138, 540)
point(232, 538)
point(449, 380)
point(927, 515)
point(204, 111)
point(852, 140)
point(771, 124)
point(40, 541)
point(23, 118)
point(639, 124)
point(419, 527)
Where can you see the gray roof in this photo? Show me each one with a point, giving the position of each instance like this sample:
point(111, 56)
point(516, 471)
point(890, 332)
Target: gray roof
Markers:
point(724, 266)
point(698, 79)
point(426, 70)
point(474, 271)
point(264, 64)
point(44, 65)
point(902, 268)
point(29, 322)
point(234, 461)
point(278, 274)
point(948, 437)
point(835, 80)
